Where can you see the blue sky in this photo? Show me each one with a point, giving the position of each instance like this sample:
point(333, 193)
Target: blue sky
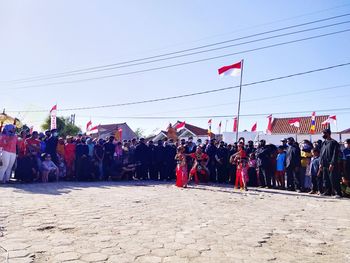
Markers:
point(44, 37)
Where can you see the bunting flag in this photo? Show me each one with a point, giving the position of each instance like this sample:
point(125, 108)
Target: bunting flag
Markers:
point(331, 119)
point(219, 128)
point(180, 125)
point(53, 117)
point(88, 125)
point(313, 123)
point(92, 130)
point(269, 124)
point(231, 70)
point(209, 128)
point(235, 122)
point(254, 127)
point(294, 122)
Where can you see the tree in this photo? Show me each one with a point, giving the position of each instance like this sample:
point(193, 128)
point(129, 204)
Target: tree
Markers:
point(64, 126)
point(139, 132)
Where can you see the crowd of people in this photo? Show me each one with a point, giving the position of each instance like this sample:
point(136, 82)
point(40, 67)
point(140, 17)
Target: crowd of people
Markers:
point(322, 167)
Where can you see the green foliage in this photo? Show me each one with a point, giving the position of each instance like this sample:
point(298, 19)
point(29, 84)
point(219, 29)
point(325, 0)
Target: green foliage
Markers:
point(140, 132)
point(64, 126)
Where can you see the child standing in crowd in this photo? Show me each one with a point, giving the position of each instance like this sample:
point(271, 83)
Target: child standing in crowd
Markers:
point(316, 177)
point(280, 167)
point(252, 174)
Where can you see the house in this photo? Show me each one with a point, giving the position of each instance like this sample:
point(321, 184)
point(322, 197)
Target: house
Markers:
point(280, 129)
point(106, 130)
point(185, 132)
point(281, 125)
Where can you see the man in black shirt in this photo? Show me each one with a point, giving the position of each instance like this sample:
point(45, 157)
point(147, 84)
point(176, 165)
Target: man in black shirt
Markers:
point(293, 163)
point(329, 164)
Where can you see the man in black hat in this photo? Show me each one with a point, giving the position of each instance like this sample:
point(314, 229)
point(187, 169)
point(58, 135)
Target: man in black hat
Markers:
point(222, 156)
point(263, 162)
point(329, 164)
point(142, 157)
point(293, 163)
point(211, 151)
point(169, 160)
point(51, 144)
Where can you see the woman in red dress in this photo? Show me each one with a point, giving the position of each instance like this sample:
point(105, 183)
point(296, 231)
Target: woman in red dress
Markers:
point(69, 156)
point(242, 168)
point(181, 168)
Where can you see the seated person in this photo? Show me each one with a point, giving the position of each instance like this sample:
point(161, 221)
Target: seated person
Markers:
point(48, 169)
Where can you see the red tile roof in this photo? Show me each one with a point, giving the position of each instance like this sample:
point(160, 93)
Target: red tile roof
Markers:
point(281, 125)
point(197, 131)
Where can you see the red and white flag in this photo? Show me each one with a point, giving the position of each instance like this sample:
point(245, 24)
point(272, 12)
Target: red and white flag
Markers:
point(231, 70)
point(294, 122)
point(235, 123)
point(331, 119)
point(180, 125)
point(269, 124)
point(53, 117)
point(254, 127)
point(93, 130)
point(88, 125)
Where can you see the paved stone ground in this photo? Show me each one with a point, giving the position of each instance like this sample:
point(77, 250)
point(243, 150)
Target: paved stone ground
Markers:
point(141, 222)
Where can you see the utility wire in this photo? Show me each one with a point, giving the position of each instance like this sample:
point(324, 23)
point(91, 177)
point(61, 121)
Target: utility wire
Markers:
point(229, 115)
point(125, 63)
point(178, 64)
point(190, 54)
point(196, 93)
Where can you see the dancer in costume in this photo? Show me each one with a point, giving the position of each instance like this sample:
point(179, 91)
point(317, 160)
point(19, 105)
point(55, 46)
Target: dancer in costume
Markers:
point(199, 169)
point(181, 168)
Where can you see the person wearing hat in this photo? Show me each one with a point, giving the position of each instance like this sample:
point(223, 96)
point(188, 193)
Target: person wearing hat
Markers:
point(284, 143)
point(211, 151)
point(142, 158)
point(263, 162)
point(329, 164)
point(169, 163)
point(293, 163)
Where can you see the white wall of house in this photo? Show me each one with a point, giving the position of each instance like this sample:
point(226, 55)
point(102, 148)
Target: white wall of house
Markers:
point(230, 137)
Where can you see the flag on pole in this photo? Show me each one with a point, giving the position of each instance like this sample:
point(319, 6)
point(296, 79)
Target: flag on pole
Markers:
point(254, 127)
point(294, 122)
point(88, 125)
point(219, 128)
point(269, 124)
point(235, 122)
point(331, 119)
point(209, 128)
point(53, 117)
point(92, 130)
point(180, 125)
point(31, 130)
point(231, 70)
point(313, 123)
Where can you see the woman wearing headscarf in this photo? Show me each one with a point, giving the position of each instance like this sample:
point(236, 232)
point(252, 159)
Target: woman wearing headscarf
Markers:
point(8, 145)
point(69, 156)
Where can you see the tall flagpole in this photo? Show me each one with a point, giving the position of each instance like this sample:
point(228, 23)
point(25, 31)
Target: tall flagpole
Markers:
point(239, 99)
